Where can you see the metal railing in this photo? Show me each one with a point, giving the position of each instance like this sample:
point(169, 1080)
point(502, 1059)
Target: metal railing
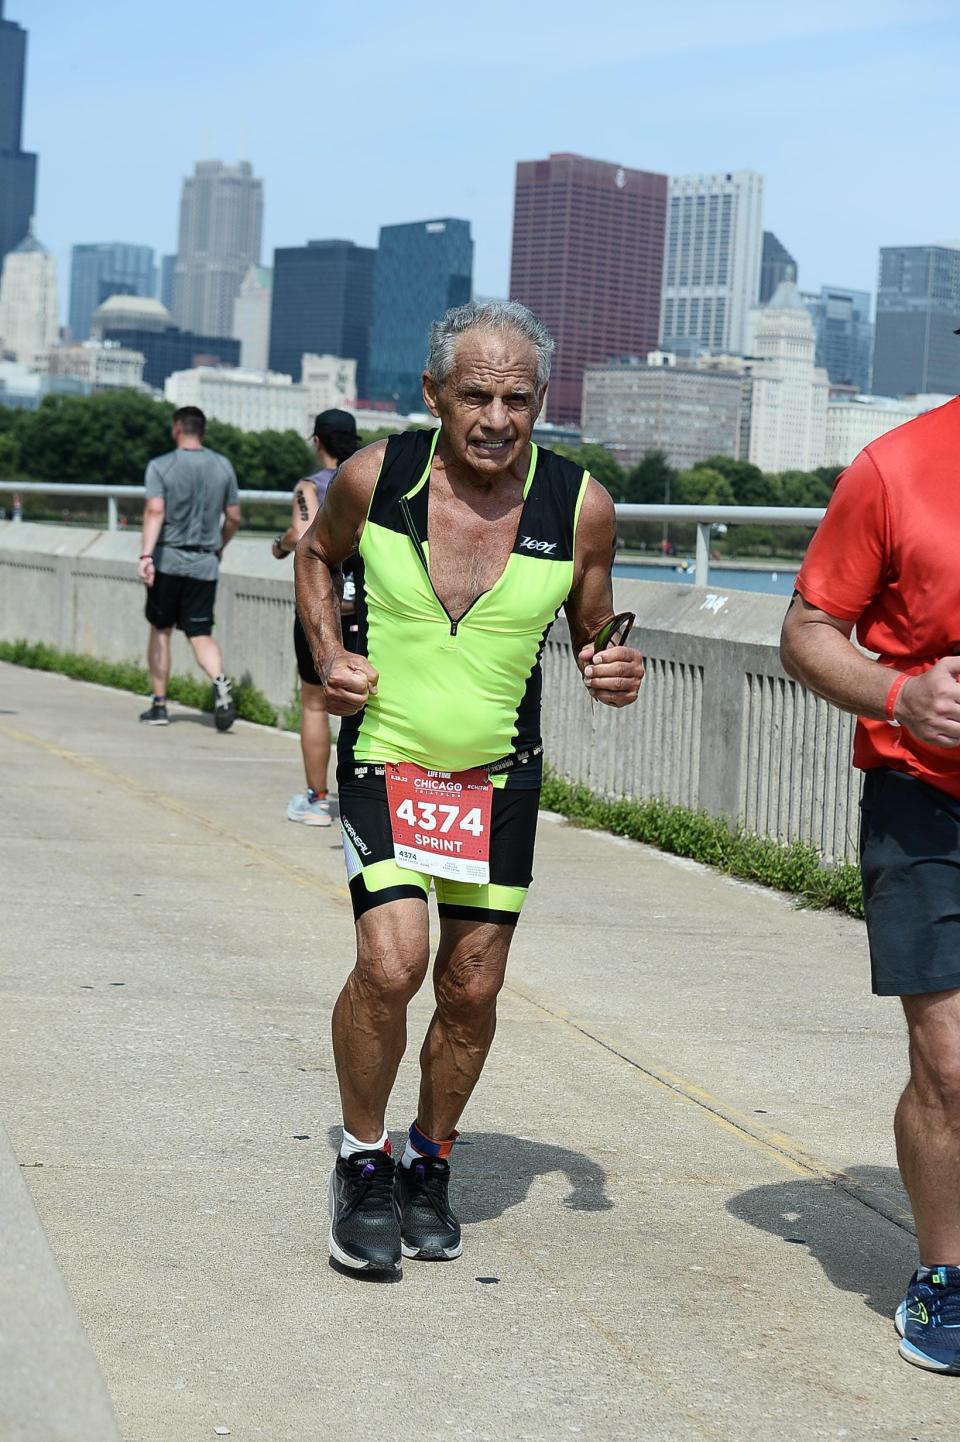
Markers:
point(112, 494)
point(706, 517)
point(703, 517)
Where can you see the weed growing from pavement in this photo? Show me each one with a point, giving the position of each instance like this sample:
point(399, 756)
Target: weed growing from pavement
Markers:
point(796, 868)
point(251, 704)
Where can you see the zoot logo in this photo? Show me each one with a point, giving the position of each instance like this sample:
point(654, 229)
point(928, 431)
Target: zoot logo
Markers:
point(545, 548)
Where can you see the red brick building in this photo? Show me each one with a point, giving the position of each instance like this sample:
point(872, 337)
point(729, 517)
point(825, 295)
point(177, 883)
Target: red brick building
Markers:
point(588, 260)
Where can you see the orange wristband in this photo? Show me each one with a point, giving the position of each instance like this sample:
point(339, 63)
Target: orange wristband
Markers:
point(896, 687)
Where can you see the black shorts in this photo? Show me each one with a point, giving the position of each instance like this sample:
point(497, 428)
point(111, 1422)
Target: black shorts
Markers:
point(181, 601)
point(305, 667)
point(910, 864)
point(306, 670)
point(373, 873)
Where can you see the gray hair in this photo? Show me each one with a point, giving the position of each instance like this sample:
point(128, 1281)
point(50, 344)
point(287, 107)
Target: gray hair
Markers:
point(487, 315)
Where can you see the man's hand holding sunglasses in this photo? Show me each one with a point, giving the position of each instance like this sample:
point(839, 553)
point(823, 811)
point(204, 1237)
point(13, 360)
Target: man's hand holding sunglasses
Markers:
point(612, 671)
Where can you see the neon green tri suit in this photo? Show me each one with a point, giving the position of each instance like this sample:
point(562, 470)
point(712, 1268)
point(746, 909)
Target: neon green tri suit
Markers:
point(453, 693)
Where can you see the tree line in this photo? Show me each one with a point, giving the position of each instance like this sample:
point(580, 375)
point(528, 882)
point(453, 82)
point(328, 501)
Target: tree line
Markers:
point(107, 439)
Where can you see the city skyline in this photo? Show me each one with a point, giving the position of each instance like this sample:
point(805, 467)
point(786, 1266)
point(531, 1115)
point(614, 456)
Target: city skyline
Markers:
point(777, 96)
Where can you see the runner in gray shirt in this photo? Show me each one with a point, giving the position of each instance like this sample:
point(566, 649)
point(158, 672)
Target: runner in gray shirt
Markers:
point(192, 511)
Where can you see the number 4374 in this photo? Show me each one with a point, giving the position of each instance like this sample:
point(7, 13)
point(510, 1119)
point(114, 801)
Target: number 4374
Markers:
point(436, 816)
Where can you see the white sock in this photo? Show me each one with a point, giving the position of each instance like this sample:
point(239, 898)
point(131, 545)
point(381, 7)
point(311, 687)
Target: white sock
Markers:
point(351, 1144)
point(410, 1154)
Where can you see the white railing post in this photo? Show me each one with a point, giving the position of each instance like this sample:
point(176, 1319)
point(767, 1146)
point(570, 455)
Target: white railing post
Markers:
point(701, 575)
point(111, 513)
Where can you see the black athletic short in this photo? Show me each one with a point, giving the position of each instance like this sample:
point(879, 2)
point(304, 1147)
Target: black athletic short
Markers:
point(305, 667)
point(352, 624)
point(910, 863)
point(373, 873)
point(181, 601)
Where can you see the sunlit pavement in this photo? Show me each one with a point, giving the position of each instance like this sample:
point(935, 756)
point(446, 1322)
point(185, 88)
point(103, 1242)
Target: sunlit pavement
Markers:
point(682, 1217)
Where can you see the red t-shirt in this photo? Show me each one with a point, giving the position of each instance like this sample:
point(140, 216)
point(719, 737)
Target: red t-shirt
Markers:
point(887, 556)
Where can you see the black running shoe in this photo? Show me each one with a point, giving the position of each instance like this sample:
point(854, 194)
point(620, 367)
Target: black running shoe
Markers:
point(224, 710)
point(429, 1229)
point(155, 715)
point(364, 1221)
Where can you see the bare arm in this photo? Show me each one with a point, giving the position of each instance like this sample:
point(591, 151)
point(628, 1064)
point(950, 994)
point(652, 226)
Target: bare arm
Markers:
point(231, 521)
point(614, 674)
point(153, 513)
point(333, 535)
point(816, 650)
point(303, 508)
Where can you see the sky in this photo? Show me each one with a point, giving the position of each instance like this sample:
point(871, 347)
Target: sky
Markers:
point(357, 116)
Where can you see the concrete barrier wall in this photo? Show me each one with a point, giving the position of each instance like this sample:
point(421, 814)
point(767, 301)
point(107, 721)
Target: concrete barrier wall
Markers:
point(718, 725)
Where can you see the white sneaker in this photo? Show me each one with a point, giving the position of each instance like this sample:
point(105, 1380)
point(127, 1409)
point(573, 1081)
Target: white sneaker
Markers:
point(309, 809)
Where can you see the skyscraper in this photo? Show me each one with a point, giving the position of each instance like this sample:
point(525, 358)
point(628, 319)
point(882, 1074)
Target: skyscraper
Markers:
point(29, 314)
point(918, 308)
point(168, 264)
point(18, 168)
point(841, 320)
point(107, 268)
point(588, 260)
point(251, 317)
point(221, 222)
point(322, 298)
point(711, 276)
point(422, 269)
point(788, 410)
point(776, 264)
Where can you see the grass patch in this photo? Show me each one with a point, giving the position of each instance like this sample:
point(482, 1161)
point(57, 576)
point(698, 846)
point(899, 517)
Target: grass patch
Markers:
point(251, 704)
point(292, 713)
point(796, 868)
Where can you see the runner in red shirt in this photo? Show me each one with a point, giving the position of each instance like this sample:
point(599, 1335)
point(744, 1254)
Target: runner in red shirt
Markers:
point(886, 562)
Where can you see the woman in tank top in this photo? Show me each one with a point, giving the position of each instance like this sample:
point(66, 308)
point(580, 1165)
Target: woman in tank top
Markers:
point(334, 440)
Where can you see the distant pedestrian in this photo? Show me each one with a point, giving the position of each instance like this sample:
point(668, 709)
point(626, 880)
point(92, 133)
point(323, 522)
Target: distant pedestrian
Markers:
point(334, 440)
point(192, 510)
point(884, 561)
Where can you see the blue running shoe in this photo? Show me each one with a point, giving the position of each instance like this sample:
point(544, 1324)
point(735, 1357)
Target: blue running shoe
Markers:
point(928, 1320)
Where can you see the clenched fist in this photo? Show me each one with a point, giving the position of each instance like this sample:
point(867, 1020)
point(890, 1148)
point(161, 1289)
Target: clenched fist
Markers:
point(929, 704)
point(348, 683)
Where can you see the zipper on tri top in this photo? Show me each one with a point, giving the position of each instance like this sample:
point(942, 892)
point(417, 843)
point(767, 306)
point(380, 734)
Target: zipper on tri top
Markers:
point(418, 546)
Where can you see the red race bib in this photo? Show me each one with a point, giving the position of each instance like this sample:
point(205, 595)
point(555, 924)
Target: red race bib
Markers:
point(441, 821)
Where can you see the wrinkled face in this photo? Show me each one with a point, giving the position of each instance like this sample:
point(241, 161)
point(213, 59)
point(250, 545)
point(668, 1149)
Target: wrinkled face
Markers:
point(489, 402)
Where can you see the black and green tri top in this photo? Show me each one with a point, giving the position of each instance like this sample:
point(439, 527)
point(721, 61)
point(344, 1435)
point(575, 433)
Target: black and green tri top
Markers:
point(457, 693)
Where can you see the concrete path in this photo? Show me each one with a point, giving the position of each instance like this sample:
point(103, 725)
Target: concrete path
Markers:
point(682, 1213)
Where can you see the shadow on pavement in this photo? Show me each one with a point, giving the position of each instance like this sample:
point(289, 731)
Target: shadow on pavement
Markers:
point(874, 1257)
point(492, 1172)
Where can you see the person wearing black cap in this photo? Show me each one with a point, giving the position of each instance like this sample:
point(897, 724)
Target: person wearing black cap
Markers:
point(334, 439)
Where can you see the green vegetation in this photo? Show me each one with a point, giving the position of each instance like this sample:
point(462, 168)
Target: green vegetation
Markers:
point(107, 439)
point(797, 868)
point(716, 481)
point(251, 704)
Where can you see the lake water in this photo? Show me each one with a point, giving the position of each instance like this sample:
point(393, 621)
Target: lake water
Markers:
point(724, 578)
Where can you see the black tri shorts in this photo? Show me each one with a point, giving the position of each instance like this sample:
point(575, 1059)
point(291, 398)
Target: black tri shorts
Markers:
point(373, 873)
point(181, 601)
point(910, 864)
point(306, 670)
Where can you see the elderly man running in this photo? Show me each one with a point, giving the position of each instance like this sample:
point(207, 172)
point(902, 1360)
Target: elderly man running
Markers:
point(472, 538)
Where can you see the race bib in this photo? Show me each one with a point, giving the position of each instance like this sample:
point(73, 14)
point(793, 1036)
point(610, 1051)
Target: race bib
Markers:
point(440, 821)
